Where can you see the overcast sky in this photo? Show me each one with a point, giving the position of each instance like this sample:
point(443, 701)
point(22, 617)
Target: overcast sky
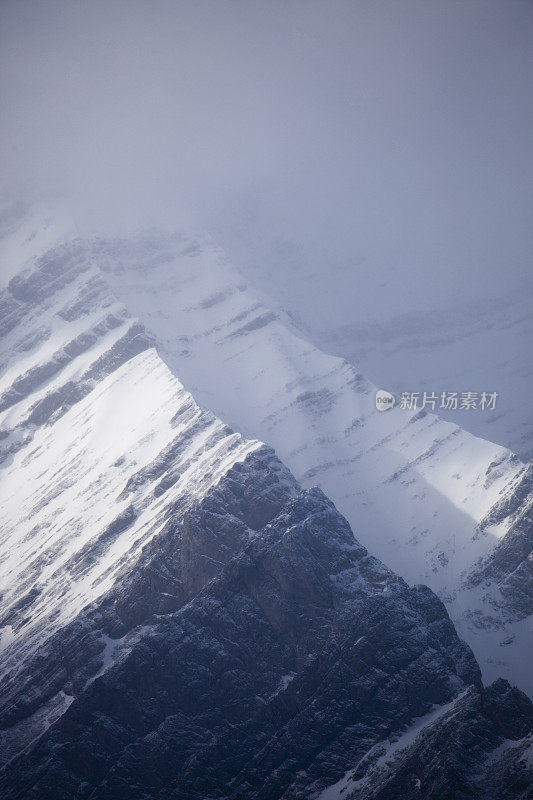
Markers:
point(384, 142)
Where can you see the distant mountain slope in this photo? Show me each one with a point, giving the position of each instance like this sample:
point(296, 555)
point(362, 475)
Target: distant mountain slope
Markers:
point(477, 346)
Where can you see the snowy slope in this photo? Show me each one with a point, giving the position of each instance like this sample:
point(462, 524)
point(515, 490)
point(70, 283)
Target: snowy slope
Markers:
point(161, 575)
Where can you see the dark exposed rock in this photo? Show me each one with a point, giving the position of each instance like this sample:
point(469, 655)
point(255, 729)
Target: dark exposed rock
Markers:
point(197, 423)
point(480, 749)
point(254, 325)
point(18, 608)
point(96, 548)
point(276, 676)
point(513, 502)
point(195, 545)
point(94, 290)
point(64, 397)
point(134, 341)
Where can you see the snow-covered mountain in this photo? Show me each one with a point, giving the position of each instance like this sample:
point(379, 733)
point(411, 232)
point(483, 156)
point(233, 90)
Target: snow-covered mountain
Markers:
point(178, 613)
point(424, 495)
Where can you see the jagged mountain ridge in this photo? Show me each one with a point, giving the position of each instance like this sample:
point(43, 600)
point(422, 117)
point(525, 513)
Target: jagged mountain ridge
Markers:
point(186, 501)
point(100, 444)
point(196, 539)
point(425, 496)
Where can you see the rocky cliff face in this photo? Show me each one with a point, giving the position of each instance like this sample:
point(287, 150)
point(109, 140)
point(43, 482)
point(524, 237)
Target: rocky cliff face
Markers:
point(193, 545)
point(301, 655)
point(485, 751)
point(426, 497)
point(302, 639)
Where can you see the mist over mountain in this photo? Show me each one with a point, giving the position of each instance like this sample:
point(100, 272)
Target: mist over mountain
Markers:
point(384, 144)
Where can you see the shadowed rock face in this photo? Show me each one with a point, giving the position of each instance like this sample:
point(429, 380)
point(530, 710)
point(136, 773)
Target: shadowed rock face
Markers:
point(484, 748)
point(272, 681)
point(254, 649)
